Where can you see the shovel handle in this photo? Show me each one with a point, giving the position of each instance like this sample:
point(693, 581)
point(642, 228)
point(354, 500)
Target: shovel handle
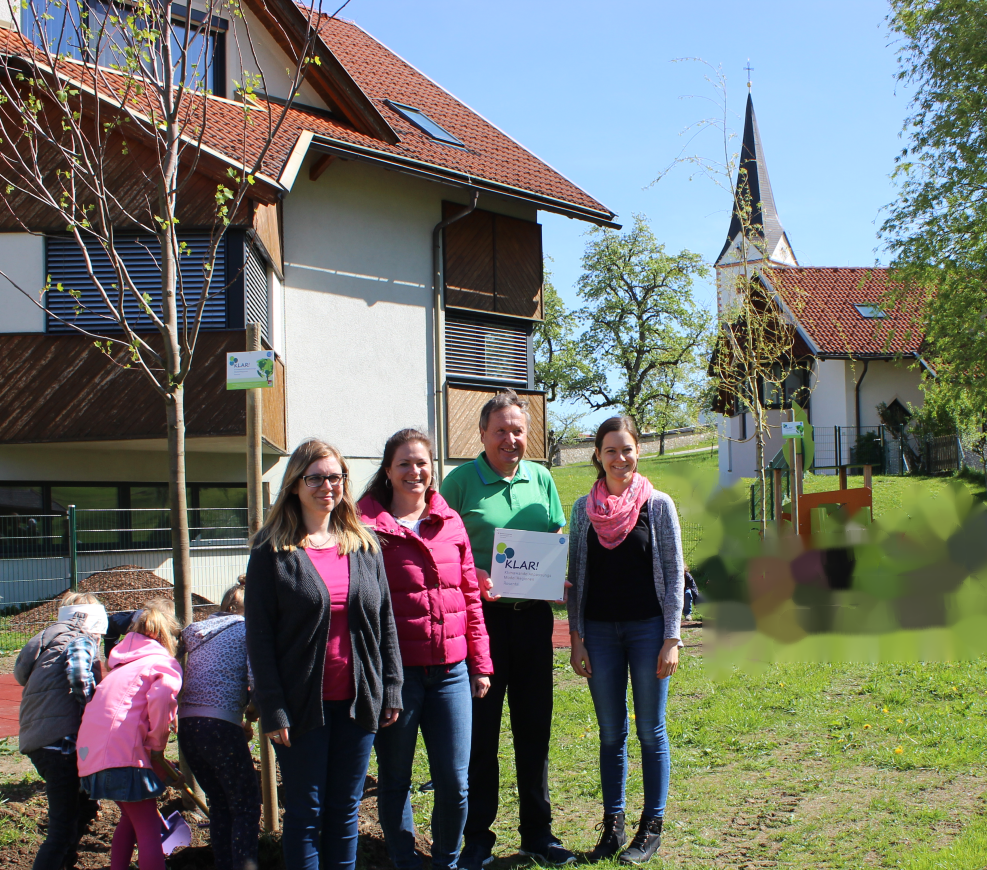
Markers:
point(175, 773)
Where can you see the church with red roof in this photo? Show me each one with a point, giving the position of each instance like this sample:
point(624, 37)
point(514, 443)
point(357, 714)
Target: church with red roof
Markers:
point(854, 351)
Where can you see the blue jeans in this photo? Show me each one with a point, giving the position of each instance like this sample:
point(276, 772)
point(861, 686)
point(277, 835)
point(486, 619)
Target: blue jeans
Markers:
point(613, 648)
point(438, 700)
point(322, 778)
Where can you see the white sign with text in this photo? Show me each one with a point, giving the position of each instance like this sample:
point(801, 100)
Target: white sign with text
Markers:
point(529, 564)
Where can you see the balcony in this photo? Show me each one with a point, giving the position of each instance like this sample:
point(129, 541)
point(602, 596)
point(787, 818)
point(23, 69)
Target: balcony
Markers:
point(61, 389)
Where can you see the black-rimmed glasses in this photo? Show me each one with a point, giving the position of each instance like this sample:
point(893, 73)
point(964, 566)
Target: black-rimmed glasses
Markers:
point(315, 481)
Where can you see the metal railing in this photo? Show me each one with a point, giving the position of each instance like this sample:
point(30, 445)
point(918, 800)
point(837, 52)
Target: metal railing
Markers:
point(123, 556)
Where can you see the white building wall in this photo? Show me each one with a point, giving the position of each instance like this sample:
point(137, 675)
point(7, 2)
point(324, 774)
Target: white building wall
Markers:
point(886, 381)
point(358, 307)
point(259, 54)
point(22, 260)
point(738, 459)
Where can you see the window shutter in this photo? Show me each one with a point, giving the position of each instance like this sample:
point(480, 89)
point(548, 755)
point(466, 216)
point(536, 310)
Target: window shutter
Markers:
point(475, 349)
point(65, 265)
point(255, 286)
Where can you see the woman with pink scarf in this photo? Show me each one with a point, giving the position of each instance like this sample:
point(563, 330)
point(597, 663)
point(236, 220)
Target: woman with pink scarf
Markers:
point(625, 609)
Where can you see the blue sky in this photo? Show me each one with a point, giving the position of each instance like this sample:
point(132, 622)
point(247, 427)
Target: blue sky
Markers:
point(593, 89)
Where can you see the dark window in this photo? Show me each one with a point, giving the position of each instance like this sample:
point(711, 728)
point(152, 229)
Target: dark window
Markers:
point(486, 351)
point(424, 123)
point(21, 500)
point(81, 28)
point(65, 266)
point(870, 311)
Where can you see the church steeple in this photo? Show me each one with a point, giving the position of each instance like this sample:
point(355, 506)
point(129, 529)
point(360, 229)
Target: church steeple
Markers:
point(764, 224)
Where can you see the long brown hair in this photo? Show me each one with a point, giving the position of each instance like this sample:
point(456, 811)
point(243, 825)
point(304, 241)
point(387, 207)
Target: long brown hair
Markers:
point(613, 424)
point(380, 488)
point(284, 529)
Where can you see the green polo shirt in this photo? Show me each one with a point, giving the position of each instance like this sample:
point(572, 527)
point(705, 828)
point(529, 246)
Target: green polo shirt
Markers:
point(486, 502)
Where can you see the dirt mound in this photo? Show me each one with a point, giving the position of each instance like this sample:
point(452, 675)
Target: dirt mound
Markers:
point(125, 587)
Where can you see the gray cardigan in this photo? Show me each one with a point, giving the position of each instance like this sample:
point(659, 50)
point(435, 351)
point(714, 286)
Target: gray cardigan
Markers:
point(287, 614)
point(666, 548)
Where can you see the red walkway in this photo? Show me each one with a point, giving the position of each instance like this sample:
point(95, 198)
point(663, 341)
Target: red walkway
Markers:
point(10, 702)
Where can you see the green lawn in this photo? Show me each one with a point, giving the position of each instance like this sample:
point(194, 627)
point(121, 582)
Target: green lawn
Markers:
point(800, 766)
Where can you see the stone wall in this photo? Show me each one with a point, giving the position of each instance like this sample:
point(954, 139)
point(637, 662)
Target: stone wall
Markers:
point(582, 451)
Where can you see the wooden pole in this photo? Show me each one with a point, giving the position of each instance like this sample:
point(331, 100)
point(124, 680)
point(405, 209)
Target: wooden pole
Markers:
point(796, 486)
point(776, 475)
point(255, 518)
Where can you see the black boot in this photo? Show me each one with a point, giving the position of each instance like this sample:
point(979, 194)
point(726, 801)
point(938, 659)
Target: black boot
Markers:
point(612, 837)
point(645, 843)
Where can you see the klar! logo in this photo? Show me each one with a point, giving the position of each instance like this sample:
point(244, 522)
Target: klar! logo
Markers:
point(505, 555)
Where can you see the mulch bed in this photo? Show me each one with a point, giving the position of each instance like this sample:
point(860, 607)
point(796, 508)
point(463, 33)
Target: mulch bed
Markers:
point(24, 804)
point(126, 587)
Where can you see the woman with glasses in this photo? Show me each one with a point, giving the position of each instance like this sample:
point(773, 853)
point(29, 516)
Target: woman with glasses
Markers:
point(444, 647)
point(324, 652)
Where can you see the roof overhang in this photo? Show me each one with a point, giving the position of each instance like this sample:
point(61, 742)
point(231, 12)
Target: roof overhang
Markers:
point(431, 172)
point(810, 343)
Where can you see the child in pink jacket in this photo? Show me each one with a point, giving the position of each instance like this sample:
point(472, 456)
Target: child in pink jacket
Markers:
point(125, 729)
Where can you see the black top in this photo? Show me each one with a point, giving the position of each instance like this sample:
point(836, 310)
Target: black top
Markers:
point(287, 614)
point(620, 583)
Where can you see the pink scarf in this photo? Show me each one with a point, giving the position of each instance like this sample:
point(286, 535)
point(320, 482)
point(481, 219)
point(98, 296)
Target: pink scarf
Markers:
point(613, 516)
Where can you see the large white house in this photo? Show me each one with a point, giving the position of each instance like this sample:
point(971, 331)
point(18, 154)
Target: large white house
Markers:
point(856, 353)
point(379, 316)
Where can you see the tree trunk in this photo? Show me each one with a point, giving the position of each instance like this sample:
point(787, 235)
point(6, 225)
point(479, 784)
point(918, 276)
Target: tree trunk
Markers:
point(661, 443)
point(181, 562)
point(761, 476)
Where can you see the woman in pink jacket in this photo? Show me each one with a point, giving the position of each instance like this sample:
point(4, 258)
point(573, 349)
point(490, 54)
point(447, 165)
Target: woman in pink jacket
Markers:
point(124, 732)
point(444, 647)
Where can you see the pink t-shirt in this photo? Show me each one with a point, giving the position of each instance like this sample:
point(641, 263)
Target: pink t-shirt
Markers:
point(337, 677)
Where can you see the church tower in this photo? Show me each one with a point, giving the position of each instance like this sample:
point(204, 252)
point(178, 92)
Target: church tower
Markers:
point(766, 238)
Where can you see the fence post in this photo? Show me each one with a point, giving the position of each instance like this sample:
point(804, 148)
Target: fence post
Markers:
point(73, 551)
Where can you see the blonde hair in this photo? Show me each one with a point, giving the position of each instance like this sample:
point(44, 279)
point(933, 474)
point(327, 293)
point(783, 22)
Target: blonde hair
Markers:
point(71, 599)
point(157, 621)
point(232, 600)
point(284, 529)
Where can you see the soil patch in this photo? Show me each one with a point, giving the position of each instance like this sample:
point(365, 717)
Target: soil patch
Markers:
point(126, 587)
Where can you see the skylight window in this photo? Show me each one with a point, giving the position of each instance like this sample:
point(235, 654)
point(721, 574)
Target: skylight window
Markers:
point(870, 311)
point(424, 123)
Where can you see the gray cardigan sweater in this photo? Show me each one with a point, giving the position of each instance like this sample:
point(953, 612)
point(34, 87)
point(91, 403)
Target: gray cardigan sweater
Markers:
point(287, 614)
point(666, 548)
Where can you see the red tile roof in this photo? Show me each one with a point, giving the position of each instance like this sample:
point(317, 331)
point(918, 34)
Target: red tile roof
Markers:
point(490, 156)
point(823, 303)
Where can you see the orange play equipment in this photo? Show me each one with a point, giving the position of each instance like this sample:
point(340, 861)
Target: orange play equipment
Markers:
point(851, 500)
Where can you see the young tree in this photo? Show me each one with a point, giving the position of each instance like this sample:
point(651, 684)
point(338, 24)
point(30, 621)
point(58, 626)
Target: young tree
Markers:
point(641, 321)
point(937, 228)
point(107, 128)
point(754, 351)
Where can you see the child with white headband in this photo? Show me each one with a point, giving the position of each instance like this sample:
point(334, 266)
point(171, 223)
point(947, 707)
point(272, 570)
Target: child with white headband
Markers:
point(65, 654)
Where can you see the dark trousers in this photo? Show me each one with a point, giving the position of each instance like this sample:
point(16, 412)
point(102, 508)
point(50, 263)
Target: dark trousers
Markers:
point(69, 810)
point(322, 778)
point(219, 755)
point(521, 649)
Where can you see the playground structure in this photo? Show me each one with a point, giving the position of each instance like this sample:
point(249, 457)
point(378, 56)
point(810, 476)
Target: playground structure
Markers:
point(802, 504)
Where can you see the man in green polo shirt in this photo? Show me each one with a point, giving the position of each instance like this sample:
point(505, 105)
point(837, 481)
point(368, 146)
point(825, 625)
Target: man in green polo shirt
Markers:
point(499, 490)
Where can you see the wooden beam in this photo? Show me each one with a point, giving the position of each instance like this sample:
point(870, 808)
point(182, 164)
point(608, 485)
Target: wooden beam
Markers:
point(320, 166)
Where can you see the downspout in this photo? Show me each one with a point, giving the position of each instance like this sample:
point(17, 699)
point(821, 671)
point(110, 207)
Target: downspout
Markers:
point(439, 335)
point(856, 394)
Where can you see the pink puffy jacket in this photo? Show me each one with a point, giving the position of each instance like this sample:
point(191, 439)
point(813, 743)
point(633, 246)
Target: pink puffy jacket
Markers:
point(132, 709)
point(434, 592)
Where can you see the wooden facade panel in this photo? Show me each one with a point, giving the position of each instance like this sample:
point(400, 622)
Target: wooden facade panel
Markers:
point(493, 263)
point(267, 225)
point(469, 259)
point(518, 267)
point(463, 405)
point(274, 420)
point(60, 388)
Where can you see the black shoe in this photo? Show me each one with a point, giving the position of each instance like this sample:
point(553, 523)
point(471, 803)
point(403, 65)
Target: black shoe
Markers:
point(549, 852)
point(474, 856)
point(612, 837)
point(645, 843)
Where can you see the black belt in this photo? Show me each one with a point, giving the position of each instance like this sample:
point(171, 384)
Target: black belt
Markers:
point(515, 605)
